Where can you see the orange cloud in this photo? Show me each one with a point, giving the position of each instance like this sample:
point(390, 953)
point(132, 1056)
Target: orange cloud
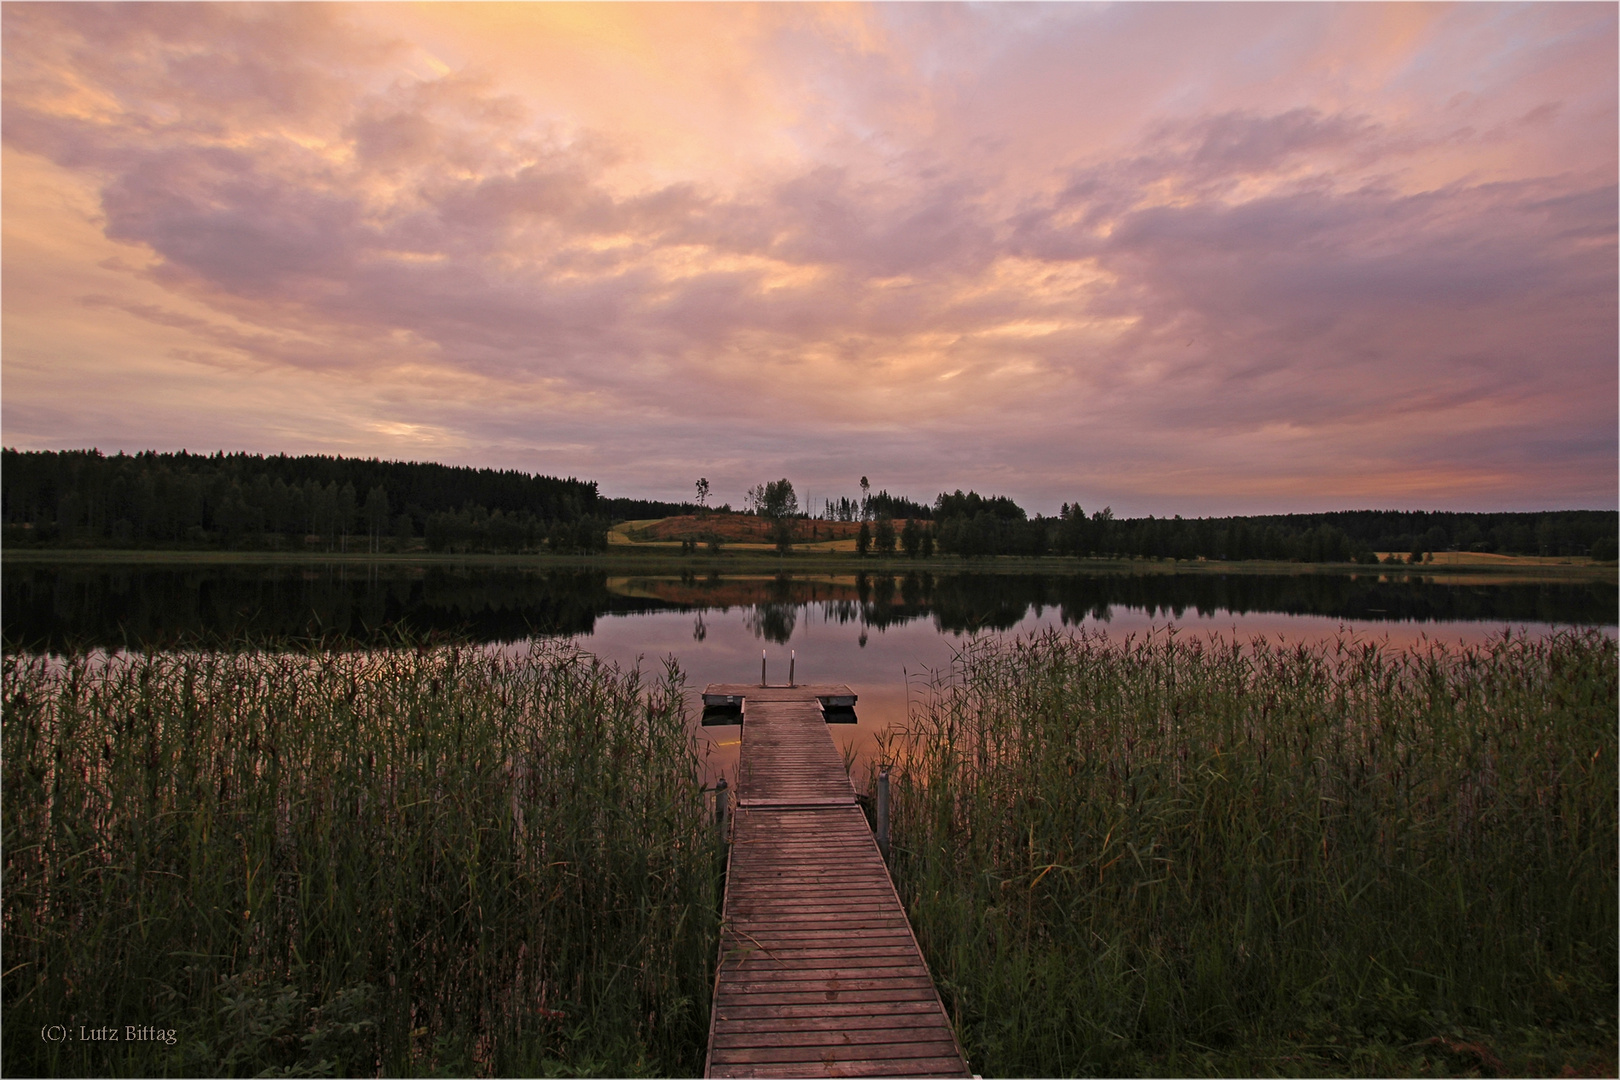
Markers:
point(1167, 257)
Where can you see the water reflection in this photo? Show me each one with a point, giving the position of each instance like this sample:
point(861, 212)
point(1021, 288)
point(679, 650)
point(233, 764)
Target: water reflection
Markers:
point(773, 621)
point(881, 634)
point(54, 605)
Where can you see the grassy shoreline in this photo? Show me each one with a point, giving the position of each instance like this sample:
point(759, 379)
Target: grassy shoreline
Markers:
point(1159, 855)
point(404, 861)
point(762, 562)
point(1171, 855)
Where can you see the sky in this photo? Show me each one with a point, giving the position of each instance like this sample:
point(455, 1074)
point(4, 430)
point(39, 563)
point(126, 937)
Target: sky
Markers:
point(1198, 259)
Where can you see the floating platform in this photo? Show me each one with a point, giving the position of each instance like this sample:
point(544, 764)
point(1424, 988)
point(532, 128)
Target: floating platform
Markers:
point(723, 706)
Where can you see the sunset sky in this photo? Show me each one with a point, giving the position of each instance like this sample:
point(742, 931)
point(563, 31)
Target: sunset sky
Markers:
point(1196, 259)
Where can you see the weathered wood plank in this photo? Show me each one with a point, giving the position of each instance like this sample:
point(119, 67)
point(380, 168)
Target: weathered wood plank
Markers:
point(918, 1067)
point(822, 895)
point(829, 1051)
point(756, 973)
point(769, 1006)
point(800, 956)
point(744, 983)
point(779, 940)
point(784, 948)
point(831, 920)
point(817, 898)
point(745, 1006)
point(832, 1022)
point(873, 1040)
point(763, 883)
point(902, 1028)
point(845, 986)
point(789, 932)
point(828, 1010)
point(776, 924)
point(769, 873)
point(756, 968)
point(760, 999)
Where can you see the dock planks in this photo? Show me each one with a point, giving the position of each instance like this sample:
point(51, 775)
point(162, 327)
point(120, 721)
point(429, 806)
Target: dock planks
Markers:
point(819, 973)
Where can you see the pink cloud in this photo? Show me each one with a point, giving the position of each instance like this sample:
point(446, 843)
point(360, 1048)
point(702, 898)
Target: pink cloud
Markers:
point(1063, 252)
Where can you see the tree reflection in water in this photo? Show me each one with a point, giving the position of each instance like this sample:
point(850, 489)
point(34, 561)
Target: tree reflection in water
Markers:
point(54, 605)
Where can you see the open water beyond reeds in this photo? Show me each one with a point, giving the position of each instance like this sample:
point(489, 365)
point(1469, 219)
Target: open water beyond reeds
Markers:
point(878, 632)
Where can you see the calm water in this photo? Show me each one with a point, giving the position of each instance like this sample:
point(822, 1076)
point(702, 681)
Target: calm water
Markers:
point(877, 633)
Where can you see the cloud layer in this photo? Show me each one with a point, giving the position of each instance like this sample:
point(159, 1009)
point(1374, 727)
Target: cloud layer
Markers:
point(1180, 259)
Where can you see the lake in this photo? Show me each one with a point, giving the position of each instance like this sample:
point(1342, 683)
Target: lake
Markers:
point(881, 633)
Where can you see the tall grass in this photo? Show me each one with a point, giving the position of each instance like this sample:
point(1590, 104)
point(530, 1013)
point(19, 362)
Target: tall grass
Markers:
point(415, 860)
point(1181, 855)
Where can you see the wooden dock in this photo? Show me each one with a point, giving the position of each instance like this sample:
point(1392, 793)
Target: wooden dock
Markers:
point(819, 973)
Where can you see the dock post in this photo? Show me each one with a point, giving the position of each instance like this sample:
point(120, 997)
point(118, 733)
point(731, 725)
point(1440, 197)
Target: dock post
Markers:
point(793, 658)
point(762, 667)
point(721, 798)
point(883, 810)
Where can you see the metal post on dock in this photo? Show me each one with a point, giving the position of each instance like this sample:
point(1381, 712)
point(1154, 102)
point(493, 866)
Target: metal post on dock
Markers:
point(883, 810)
point(762, 667)
point(793, 658)
point(721, 798)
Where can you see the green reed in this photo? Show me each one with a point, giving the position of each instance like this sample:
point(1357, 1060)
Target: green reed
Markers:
point(1182, 855)
point(412, 860)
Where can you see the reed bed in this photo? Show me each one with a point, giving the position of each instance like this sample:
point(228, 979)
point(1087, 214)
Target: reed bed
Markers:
point(434, 860)
point(1181, 855)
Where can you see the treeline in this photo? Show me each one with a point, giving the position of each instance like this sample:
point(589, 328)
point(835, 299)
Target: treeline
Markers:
point(972, 525)
point(85, 498)
point(885, 505)
point(875, 506)
point(643, 509)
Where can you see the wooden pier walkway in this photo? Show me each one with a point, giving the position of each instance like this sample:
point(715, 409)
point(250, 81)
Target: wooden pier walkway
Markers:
point(819, 972)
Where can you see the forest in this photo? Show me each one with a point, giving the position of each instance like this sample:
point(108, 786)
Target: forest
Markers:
point(83, 498)
point(972, 525)
point(316, 503)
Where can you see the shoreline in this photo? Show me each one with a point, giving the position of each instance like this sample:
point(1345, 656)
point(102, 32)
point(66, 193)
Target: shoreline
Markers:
point(1499, 569)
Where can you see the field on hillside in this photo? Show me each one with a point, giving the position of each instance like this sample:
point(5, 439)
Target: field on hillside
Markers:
point(743, 530)
point(1492, 560)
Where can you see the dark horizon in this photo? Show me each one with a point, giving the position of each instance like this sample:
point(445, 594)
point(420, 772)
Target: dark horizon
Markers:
point(688, 501)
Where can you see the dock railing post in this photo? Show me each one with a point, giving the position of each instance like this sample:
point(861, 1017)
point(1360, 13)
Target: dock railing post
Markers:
point(721, 799)
point(762, 667)
point(883, 811)
point(793, 658)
